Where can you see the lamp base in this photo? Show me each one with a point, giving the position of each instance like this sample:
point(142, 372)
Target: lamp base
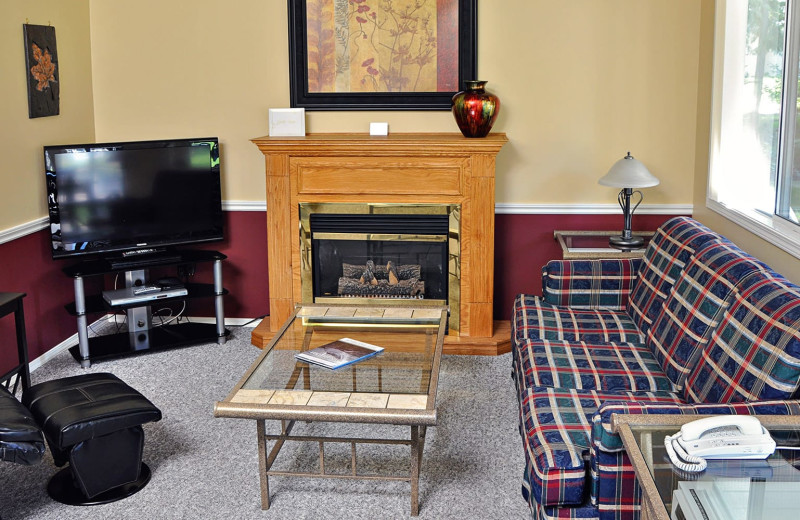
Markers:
point(625, 243)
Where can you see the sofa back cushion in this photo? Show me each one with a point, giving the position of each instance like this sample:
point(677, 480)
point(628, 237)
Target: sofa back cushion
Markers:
point(695, 304)
point(667, 254)
point(589, 284)
point(754, 353)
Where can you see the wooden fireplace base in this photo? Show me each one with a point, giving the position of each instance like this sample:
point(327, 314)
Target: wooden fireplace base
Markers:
point(499, 343)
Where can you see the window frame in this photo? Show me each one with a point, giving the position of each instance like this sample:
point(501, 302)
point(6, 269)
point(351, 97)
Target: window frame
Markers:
point(771, 227)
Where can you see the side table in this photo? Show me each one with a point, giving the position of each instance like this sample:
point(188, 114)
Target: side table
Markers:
point(12, 302)
point(583, 245)
point(728, 488)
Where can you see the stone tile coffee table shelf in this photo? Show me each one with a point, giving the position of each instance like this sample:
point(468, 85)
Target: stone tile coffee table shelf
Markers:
point(396, 387)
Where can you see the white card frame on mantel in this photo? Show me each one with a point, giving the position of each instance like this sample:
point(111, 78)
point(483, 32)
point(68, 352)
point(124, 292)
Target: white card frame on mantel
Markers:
point(287, 122)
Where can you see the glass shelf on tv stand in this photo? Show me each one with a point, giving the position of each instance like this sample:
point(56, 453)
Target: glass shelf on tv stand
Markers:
point(143, 336)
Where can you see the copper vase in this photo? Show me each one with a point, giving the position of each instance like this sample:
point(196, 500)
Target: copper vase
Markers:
point(475, 109)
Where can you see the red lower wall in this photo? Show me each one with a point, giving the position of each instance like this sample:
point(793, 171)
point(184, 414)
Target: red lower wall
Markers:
point(523, 244)
point(28, 267)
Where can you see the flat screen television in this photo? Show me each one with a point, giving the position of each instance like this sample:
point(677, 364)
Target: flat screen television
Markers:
point(116, 198)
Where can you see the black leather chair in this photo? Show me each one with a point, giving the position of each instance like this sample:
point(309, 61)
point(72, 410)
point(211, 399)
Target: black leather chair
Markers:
point(92, 421)
point(21, 440)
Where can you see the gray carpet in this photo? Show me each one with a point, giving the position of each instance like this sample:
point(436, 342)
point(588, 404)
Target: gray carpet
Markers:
point(207, 468)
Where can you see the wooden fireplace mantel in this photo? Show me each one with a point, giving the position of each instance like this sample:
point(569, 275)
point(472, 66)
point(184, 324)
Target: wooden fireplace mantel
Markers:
point(439, 168)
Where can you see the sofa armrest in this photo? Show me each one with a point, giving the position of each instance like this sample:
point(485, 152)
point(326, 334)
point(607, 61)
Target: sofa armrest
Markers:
point(614, 489)
point(604, 438)
point(589, 284)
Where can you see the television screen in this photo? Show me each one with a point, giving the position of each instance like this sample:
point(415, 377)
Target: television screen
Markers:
point(116, 197)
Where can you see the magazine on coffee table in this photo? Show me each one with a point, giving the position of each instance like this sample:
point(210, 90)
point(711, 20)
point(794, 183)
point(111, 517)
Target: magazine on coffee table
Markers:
point(339, 353)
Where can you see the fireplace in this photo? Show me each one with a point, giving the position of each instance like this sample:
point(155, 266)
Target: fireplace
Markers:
point(414, 171)
point(381, 254)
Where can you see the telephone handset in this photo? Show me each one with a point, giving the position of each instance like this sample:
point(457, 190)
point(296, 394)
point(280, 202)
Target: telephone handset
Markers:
point(719, 437)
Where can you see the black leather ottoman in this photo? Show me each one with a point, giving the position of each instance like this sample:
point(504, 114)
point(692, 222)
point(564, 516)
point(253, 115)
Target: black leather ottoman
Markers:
point(93, 421)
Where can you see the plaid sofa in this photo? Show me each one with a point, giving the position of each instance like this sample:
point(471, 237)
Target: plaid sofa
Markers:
point(696, 326)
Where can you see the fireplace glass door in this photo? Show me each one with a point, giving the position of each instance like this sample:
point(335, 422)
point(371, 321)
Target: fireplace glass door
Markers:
point(378, 254)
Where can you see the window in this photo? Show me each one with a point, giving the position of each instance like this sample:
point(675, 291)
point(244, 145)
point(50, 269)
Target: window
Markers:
point(755, 138)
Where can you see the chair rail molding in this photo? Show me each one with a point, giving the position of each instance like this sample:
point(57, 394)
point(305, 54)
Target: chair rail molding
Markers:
point(500, 208)
point(13, 233)
point(506, 208)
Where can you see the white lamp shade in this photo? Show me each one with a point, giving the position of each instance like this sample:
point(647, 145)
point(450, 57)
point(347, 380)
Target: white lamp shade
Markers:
point(628, 173)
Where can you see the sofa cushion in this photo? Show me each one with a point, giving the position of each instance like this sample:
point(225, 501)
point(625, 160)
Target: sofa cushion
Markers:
point(589, 284)
point(754, 354)
point(666, 255)
point(695, 304)
point(555, 425)
point(536, 319)
point(607, 367)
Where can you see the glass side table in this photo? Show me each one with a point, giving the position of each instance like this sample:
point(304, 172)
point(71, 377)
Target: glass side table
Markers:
point(582, 245)
point(730, 489)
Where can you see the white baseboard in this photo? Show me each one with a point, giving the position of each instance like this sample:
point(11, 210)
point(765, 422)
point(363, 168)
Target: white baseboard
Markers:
point(233, 322)
point(53, 352)
point(73, 340)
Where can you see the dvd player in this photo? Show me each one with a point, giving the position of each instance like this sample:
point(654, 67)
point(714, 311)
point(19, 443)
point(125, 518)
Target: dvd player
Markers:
point(142, 294)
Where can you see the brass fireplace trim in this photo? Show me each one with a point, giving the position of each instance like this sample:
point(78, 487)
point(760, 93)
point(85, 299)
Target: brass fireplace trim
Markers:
point(380, 236)
point(453, 211)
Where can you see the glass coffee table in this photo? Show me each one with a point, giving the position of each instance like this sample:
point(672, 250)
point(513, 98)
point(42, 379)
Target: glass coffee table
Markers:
point(397, 386)
point(729, 489)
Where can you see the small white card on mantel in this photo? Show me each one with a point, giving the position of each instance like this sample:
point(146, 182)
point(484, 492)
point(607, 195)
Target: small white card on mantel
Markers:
point(379, 129)
point(287, 122)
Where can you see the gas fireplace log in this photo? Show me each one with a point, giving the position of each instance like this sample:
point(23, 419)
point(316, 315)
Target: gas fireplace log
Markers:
point(391, 269)
point(403, 288)
point(404, 272)
point(368, 276)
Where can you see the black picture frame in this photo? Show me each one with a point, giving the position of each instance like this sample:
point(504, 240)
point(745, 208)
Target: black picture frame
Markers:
point(299, 94)
point(41, 63)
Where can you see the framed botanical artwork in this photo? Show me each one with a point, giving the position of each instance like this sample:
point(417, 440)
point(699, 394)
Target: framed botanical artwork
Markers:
point(380, 54)
point(41, 62)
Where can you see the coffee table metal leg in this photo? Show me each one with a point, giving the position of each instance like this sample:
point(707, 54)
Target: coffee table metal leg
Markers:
point(262, 463)
point(415, 460)
point(422, 431)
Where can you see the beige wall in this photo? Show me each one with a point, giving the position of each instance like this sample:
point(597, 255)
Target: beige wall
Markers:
point(22, 197)
point(580, 83)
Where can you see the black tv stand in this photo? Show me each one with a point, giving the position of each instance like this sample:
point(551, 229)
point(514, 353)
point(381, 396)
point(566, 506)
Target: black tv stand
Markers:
point(142, 336)
point(144, 260)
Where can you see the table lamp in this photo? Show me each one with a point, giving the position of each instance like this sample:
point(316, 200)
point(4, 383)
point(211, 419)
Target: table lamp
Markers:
point(628, 173)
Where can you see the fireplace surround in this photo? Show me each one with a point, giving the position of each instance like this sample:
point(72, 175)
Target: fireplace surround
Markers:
point(400, 169)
